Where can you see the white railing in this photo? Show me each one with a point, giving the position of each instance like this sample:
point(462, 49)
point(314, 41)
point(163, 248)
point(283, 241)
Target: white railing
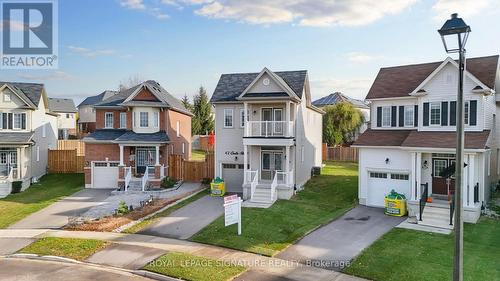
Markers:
point(285, 178)
point(253, 179)
point(145, 178)
point(269, 129)
point(273, 187)
point(10, 177)
point(128, 176)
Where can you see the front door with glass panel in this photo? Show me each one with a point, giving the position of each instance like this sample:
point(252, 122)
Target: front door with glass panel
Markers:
point(441, 185)
point(272, 161)
point(145, 157)
point(8, 161)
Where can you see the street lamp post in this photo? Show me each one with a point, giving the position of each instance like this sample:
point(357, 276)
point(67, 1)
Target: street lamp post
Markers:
point(456, 26)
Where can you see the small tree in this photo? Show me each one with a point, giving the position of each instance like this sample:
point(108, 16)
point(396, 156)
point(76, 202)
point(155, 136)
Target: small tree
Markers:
point(340, 123)
point(202, 122)
point(186, 103)
point(130, 82)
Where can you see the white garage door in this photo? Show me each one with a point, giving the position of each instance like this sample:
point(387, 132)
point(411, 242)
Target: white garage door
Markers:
point(232, 174)
point(105, 175)
point(381, 183)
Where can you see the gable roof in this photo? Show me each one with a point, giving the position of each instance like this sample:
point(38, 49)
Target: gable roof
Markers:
point(400, 81)
point(231, 86)
point(30, 92)
point(61, 105)
point(339, 97)
point(98, 98)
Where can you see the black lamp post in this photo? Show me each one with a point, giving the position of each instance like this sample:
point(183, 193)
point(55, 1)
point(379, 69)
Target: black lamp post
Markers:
point(456, 26)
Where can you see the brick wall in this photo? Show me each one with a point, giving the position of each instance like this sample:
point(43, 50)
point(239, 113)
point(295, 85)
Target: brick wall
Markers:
point(169, 124)
point(99, 118)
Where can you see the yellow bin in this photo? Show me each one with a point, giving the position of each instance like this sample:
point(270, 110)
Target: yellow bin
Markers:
point(395, 207)
point(217, 189)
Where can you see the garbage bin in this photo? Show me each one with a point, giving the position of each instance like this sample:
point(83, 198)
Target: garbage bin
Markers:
point(395, 204)
point(217, 187)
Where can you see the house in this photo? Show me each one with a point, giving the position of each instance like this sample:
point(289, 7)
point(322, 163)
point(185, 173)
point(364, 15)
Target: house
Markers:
point(136, 131)
point(338, 97)
point(268, 134)
point(27, 130)
point(413, 140)
point(66, 116)
point(86, 112)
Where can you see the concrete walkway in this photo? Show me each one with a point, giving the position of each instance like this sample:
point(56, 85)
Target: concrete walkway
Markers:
point(188, 220)
point(336, 244)
point(56, 215)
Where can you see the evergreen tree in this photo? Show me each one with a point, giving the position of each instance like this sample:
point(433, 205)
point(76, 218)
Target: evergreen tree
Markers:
point(186, 103)
point(340, 123)
point(203, 121)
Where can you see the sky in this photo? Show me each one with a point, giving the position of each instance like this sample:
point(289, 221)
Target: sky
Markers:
point(185, 44)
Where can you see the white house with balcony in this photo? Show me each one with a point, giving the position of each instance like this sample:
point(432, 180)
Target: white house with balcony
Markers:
point(268, 134)
point(411, 144)
point(27, 130)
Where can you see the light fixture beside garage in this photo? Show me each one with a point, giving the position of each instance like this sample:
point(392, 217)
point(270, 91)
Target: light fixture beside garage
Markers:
point(387, 161)
point(425, 165)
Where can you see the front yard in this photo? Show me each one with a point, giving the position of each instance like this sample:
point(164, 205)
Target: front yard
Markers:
point(268, 231)
point(73, 248)
point(410, 255)
point(50, 189)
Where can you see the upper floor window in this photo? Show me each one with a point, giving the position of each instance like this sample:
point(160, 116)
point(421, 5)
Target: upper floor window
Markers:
point(6, 97)
point(228, 118)
point(242, 118)
point(18, 120)
point(466, 113)
point(143, 119)
point(386, 116)
point(68, 115)
point(156, 119)
point(108, 120)
point(123, 120)
point(409, 116)
point(435, 113)
point(178, 128)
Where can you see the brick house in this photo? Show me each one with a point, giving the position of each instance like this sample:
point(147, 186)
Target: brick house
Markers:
point(136, 131)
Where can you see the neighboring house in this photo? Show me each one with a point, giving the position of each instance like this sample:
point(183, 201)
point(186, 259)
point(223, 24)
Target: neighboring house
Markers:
point(268, 134)
point(86, 112)
point(413, 139)
point(27, 131)
point(139, 128)
point(360, 105)
point(66, 116)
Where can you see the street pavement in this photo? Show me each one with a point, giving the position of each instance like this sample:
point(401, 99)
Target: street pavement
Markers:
point(336, 244)
point(188, 220)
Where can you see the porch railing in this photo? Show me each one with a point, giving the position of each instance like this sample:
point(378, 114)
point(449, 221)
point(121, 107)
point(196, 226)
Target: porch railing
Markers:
point(269, 129)
point(476, 193)
point(145, 179)
point(423, 199)
point(128, 177)
point(284, 177)
point(274, 184)
point(254, 180)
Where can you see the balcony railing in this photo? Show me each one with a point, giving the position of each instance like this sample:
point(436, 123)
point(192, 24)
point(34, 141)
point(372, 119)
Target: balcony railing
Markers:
point(266, 129)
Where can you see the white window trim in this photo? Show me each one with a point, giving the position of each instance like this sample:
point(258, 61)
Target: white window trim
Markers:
point(183, 148)
point(226, 111)
point(140, 119)
point(38, 153)
point(430, 113)
point(123, 120)
point(1, 120)
point(390, 116)
point(178, 129)
point(466, 112)
point(44, 130)
point(7, 97)
point(19, 115)
point(242, 117)
point(106, 120)
point(156, 119)
point(412, 118)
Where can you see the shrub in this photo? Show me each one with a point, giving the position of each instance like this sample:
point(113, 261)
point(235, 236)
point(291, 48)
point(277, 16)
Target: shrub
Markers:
point(206, 181)
point(167, 182)
point(122, 208)
point(16, 186)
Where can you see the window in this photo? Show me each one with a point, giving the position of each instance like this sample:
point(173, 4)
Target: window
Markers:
point(466, 113)
point(37, 153)
point(409, 116)
point(242, 117)
point(143, 119)
point(156, 119)
point(435, 113)
point(439, 165)
point(386, 116)
point(6, 97)
point(172, 150)
point(123, 120)
point(228, 118)
point(100, 164)
point(68, 115)
point(404, 177)
point(108, 120)
point(44, 130)
point(183, 148)
point(133, 119)
point(17, 121)
point(378, 175)
point(178, 128)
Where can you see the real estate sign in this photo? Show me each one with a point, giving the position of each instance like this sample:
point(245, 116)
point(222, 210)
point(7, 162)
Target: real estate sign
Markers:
point(232, 211)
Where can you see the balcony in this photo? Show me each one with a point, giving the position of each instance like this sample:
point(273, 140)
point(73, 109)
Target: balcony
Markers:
point(269, 129)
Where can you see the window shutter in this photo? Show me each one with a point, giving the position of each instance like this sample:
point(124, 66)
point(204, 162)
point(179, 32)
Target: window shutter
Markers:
point(415, 115)
point(426, 114)
point(394, 113)
point(444, 113)
point(453, 113)
point(10, 121)
point(473, 113)
point(23, 121)
point(379, 116)
point(401, 116)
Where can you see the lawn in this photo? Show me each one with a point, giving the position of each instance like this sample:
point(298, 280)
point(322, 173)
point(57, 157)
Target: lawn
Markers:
point(78, 249)
point(50, 189)
point(198, 155)
point(403, 254)
point(194, 268)
point(268, 231)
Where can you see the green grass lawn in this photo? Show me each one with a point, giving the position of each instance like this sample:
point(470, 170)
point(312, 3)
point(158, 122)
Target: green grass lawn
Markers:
point(78, 249)
point(147, 222)
point(51, 188)
point(403, 254)
point(268, 231)
point(198, 155)
point(194, 268)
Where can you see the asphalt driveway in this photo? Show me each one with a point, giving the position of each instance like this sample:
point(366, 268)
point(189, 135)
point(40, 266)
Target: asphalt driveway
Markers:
point(336, 244)
point(56, 215)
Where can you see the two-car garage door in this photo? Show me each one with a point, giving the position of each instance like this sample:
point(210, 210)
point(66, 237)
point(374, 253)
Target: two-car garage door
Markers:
point(105, 174)
point(381, 183)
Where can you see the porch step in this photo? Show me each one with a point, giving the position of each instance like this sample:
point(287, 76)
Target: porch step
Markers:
point(436, 216)
point(262, 195)
point(439, 204)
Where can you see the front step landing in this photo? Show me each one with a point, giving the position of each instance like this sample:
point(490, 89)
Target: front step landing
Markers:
point(436, 215)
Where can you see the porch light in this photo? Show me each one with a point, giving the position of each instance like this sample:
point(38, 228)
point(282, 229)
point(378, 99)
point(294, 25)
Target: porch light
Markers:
point(425, 165)
point(454, 26)
point(387, 161)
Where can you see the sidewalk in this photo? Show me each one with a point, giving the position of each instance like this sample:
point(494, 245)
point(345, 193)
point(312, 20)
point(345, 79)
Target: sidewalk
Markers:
point(260, 267)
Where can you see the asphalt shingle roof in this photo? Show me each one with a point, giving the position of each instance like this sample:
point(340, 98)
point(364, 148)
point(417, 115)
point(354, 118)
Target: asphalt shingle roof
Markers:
point(61, 105)
point(338, 97)
point(129, 136)
point(16, 137)
point(32, 91)
point(98, 98)
point(104, 135)
point(230, 86)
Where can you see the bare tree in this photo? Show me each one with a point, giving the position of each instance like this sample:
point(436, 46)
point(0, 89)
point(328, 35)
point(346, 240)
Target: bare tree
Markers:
point(130, 82)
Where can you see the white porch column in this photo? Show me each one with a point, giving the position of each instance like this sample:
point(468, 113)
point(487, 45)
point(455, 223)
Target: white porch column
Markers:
point(287, 162)
point(418, 174)
point(121, 156)
point(245, 114)
point(18, 162)
point(245, 160)
point(413, 178)
point(157, 155)
point(470, 181)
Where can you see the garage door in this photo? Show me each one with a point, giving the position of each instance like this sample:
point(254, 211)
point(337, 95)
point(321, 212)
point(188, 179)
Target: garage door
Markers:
point(105, 175)
point(381, 183)
point(232, 174)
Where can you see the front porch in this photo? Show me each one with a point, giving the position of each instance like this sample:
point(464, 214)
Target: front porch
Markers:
point(13, 168)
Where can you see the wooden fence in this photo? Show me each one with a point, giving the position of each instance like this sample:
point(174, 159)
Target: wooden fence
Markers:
point(71, 145)
point(348, 154)
point(191, 171)
point(65, 161)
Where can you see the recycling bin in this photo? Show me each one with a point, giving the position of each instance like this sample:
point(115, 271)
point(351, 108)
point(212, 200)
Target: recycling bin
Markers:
point(395, 204)
point(217, 187)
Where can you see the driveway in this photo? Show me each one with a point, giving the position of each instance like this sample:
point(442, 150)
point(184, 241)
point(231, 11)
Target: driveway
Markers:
point(336, 244)
point(188, 220)
point(56, 215)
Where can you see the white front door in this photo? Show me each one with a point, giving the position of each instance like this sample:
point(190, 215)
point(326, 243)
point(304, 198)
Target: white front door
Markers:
point(105, 175)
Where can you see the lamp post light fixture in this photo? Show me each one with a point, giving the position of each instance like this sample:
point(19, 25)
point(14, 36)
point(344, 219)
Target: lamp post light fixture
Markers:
point(456, 26)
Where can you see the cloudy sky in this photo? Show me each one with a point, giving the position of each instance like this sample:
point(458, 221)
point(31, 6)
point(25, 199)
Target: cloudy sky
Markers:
point(187, 43)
